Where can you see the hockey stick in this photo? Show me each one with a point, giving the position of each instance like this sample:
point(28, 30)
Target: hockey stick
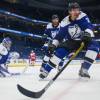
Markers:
point(31, 94)
point(25, 68)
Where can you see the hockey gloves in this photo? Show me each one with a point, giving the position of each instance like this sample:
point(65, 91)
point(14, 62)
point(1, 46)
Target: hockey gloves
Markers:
point(86, 37)
point(51, 48)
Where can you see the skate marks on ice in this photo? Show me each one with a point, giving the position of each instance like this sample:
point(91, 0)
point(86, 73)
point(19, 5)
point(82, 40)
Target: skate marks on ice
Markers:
point(67, 87)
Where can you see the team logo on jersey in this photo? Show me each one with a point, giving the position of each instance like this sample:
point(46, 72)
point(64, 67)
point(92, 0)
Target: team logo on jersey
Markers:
point(74, 31)
point(54, 33)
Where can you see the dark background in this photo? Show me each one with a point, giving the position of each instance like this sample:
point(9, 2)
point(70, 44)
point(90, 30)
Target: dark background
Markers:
point(40, 10)
point(43, 9)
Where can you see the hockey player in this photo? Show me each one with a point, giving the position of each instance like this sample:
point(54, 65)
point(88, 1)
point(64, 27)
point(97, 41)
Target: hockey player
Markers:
point(4, 53)
point(32, 58)
point(75, 26)
point(51, 31)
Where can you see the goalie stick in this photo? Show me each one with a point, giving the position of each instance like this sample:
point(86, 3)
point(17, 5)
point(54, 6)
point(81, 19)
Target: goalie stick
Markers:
point(32, 94)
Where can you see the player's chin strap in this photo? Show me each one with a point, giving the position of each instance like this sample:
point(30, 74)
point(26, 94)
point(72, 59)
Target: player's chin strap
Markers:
point(40, 93)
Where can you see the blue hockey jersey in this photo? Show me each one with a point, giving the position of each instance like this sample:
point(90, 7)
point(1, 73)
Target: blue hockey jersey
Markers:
point(51, 31)
point(73, 29)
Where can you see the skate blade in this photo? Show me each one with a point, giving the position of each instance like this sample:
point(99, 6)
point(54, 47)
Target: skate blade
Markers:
point(85, 79)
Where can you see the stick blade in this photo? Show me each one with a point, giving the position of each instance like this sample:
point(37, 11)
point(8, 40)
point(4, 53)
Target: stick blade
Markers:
point(29, 93)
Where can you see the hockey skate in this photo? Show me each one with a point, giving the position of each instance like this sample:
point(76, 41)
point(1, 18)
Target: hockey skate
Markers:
point(83, 74)
point(43, 74)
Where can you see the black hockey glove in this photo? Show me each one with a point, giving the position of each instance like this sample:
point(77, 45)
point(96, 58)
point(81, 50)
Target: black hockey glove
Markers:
point(51, 48)
point(86, 37)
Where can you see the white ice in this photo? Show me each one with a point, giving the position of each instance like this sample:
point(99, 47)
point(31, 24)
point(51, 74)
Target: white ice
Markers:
point(66, 87)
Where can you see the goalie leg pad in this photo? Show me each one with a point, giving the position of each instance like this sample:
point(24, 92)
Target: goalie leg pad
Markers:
point(2, 74)
point(4, 71)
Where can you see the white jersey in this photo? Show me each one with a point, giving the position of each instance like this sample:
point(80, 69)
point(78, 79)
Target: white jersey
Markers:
point(3, 54)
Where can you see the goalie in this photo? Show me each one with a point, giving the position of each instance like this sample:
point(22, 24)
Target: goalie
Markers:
point(77, 28)
point(4, 53)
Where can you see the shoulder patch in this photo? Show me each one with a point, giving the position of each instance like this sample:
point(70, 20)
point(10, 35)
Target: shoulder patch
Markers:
point(65, 21)
point(49, 25)
point(82, 14)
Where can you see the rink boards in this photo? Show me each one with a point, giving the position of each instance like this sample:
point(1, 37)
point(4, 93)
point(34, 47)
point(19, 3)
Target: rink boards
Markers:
point(25, 62)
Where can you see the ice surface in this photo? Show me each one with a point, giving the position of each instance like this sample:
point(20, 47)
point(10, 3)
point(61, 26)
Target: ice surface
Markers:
point(66, 87)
